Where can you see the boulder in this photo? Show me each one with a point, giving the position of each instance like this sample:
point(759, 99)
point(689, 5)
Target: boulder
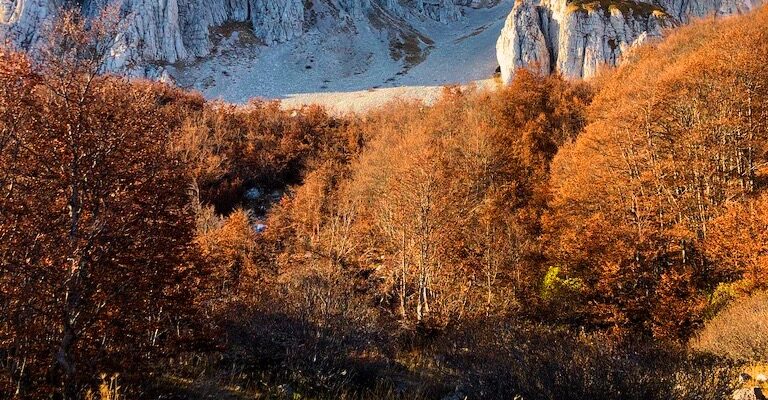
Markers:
point(749, 394)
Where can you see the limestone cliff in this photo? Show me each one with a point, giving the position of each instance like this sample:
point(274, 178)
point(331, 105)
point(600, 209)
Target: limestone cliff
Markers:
point(576, 37)
point(22, 19)
point(167, 31)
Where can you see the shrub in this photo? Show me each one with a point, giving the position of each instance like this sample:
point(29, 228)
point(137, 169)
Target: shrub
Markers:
point(556, 288)
point(540, 362)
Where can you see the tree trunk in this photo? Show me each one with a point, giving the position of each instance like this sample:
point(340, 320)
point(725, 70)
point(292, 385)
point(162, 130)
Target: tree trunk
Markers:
point(66, 363)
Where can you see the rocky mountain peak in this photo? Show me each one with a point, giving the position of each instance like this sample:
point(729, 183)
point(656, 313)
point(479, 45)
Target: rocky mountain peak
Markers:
point(167, 31)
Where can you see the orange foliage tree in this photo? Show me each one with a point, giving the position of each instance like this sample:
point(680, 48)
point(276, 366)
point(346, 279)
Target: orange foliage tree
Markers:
point(95, 264)
point(675, 135)
point(438, 215)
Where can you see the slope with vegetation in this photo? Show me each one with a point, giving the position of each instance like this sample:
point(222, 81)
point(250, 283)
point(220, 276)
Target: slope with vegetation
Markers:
point(549, 240)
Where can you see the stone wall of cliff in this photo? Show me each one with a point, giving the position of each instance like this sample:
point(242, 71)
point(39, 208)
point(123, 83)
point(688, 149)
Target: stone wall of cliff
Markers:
point(577, 37)
point(167, 31)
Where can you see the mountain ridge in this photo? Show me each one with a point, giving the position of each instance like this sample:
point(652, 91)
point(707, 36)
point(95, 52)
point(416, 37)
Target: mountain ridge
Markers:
point(171, 31)
point(369, 43)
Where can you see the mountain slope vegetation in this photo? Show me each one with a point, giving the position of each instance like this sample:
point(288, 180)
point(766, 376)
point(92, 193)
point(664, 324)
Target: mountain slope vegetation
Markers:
point(549, 240)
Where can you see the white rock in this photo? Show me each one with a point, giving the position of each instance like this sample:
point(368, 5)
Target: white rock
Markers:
point(579, 38)
point(167, 31)
point(252, 194)
point(523, 43)
point(277, 20)
point(748, 394)
point(22, 20)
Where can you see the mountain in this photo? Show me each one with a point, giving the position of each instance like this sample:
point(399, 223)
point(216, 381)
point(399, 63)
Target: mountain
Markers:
point(239, 49)
point(163, 32)
point(576, 37)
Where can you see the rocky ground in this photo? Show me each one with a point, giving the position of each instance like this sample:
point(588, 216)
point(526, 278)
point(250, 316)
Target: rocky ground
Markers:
point(365, 100)
point(359, 69)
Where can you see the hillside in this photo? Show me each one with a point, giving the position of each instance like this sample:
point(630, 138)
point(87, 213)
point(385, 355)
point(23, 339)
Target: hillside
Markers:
point(549, 239)
point(457, 52)
point(241, 49)
point(236, 50)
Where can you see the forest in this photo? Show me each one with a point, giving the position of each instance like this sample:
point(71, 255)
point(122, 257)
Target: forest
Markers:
point(551, 239)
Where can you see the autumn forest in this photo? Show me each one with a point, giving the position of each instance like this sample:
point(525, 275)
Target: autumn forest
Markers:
point(552, 239)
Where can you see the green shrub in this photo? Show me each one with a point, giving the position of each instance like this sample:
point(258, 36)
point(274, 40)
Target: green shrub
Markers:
point(554, 287)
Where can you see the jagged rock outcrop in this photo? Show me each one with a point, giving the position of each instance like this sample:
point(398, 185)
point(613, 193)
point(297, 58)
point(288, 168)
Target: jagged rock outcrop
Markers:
point(523, 42)
point(172, 30)
point(576, 37)
point(167, 31)
point(277, 20)
point(439, 10)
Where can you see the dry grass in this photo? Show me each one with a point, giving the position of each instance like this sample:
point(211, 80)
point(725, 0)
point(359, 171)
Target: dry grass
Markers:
point(739, 332)
point(109, 389)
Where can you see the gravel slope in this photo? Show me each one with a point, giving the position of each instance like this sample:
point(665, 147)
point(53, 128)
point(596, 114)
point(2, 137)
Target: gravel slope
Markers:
point(348, 71)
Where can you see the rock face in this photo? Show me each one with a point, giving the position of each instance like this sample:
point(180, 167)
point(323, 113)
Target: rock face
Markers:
point(576, 37)
point(163, 30)
point(167, 31)
point(23, 18)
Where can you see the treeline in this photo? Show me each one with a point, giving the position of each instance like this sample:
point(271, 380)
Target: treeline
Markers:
point(655, 206)
point(549, 239)
point(438, 218)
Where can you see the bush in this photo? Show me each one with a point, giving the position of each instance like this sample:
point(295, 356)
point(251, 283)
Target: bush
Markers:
point(540, 362)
